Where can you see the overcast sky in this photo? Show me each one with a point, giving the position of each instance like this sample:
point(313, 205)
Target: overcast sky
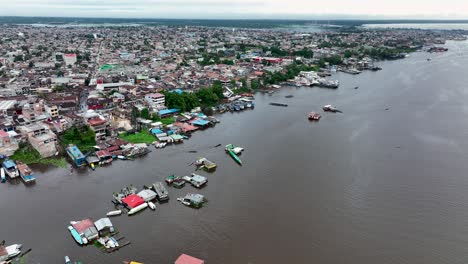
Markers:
point(431, 9)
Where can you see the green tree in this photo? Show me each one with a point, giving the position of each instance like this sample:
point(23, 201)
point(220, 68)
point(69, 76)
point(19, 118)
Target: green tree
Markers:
point(145, 113)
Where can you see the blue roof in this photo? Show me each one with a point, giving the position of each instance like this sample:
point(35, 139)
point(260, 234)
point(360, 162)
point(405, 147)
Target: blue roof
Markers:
point(9, 164)
point(156, 131)
point(178, 91)
point(200, 122)
point(75, 151)
point(168, 111)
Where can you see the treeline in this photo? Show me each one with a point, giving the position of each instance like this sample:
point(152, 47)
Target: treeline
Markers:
point(278, 52)
point(208, 96)
point(83, 137)
point(387, 53)
point(290, 72)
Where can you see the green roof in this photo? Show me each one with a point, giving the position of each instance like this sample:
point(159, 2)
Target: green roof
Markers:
point(107, 67)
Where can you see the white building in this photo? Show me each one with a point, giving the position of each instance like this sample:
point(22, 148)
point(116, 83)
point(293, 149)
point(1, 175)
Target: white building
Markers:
point(69, 59)
point(156, 99)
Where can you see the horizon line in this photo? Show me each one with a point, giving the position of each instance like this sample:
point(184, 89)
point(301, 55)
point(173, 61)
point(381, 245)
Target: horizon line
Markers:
point(318, 18)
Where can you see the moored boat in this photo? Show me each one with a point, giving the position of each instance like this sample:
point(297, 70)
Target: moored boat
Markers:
point(25, 172)
point(114, 213)
point(76, 236)
point(137, 209)
point(2, 174)
point(10, 168)
point(152, 206)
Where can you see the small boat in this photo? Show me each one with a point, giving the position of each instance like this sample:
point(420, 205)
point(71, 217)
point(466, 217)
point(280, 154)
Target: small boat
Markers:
point(10, 168)
point(231, 150)
point(9, 252)
point(120, 157)
point(93, 167)
point(314, 116)
point(330, 108)
point(137, 209)
point(152, 206)
point(76, 236)
point(114, 213)
point(25, 172)
point(279, 104)
point(289, 96)
point(2, 174)
point(67, 260)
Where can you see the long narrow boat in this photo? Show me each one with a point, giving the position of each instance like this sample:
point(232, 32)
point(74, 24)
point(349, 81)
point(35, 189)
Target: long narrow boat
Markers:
point(25, 172)
point(76, 236)
point(2, 174)
point(230, 149)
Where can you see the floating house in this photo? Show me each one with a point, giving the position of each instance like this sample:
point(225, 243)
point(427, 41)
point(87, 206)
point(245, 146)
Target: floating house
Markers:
point(161, 191)
point(76, 156)
point(186, 259)
point(86, 229)
point(147, 195)
point(201, 123)
point(133, 201)
point(104, 226)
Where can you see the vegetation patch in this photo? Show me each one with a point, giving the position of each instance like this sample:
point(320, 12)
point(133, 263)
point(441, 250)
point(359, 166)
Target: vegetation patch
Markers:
point(83, 138)
point(28, 155)
point(139, 137)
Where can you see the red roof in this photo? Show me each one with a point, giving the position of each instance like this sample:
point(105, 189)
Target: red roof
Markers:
point(83, 225)
point(97, 121)
point(186, 259)
point(3, 134)
point(133, 200)
point(103, 154)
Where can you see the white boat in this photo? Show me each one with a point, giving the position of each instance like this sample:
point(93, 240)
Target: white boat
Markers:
point(237, 150)
point(10, 252)
point(2, 174)
point(114, 213)
point(152, 205)
point(138, 209)
point(121, 157)
point(67, 260)
point(183, 201)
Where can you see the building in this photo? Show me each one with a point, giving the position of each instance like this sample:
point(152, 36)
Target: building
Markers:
point(41, 139)
point(76, 156)
point(8, 144)
point(156, 99)
point(99, 126)
point(70, 59)
point(52, 110)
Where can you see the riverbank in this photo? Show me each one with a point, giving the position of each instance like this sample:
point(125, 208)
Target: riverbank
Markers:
point(29, 155)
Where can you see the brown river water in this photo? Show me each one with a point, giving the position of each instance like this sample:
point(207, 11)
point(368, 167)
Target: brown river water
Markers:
point(384, 182)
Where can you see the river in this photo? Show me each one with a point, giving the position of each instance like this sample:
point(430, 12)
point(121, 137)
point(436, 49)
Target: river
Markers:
point(383, 182)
